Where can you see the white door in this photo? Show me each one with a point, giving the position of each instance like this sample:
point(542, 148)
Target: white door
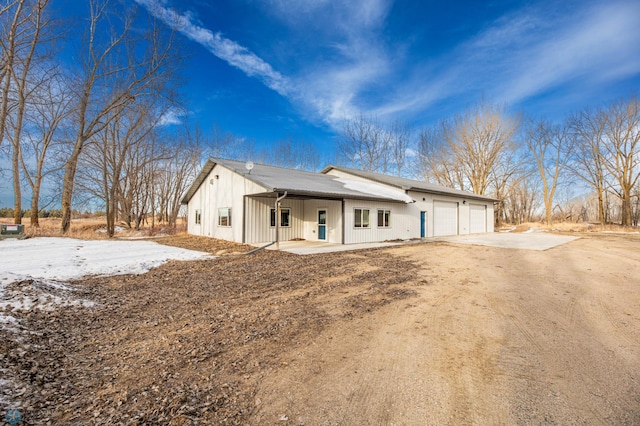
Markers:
point(477, 218)
point(445, 218)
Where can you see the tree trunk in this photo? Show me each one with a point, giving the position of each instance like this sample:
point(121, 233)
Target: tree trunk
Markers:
point(17, 192)
point(35, 207)
point(67, 190)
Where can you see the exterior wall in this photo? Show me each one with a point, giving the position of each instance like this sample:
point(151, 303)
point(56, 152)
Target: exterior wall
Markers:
point(258, 220)
point(424, 202)
point(404, 224)
point(227, 190)
point(334, 220)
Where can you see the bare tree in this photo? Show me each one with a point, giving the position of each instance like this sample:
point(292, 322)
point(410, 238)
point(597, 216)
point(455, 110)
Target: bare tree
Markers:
point(120, 65)
point(46, 116)
point(467, 152)
point(24, 37)
point(520, 201)
point(227, 145)
point(172, 178)
point(622, 151)
point(293, 154)
point(400, 143)
point(551, 147)
point(435, 163)
point(12, 19)
point(477, 139)
point(588, 164)
point(608, 157)
point(103, 169)
point(364, 144)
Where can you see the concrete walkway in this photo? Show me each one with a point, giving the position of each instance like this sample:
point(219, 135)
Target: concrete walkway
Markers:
point(314, 247)
point(528, 241)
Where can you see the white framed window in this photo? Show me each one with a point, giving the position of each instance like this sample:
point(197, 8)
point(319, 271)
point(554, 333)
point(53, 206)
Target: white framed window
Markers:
point(384, 218)
point(360, 218)
point(198, 217)
point(285, 217)
point(224, 216)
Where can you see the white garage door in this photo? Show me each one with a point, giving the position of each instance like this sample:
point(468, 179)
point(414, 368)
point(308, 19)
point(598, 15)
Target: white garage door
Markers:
point(445, 218)
point(477, 218)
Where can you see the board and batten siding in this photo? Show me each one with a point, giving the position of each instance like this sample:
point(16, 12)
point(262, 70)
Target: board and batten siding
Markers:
point(403, 223)
point(222, 188)
point(258, 220)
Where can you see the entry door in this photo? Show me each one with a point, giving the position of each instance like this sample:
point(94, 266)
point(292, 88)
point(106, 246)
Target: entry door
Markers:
point(423, 224)
point(322, 225)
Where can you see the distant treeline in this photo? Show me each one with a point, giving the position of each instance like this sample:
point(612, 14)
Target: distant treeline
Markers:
point(54, 213)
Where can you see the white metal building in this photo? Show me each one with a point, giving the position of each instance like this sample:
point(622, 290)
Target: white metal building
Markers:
point(235, 201)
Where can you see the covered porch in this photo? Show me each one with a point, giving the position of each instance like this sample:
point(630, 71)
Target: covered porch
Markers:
point(301, 217)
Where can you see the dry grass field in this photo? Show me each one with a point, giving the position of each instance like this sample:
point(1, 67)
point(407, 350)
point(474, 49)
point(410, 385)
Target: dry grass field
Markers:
point(433, 333)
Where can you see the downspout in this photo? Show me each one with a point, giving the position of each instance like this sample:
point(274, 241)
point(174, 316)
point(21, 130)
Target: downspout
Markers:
point(277, 206)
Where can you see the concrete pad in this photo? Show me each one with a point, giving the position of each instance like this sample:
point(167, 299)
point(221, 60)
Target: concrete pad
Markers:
point(314, 247)
point(528, 241)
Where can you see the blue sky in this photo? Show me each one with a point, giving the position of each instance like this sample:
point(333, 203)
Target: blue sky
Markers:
point(269, 70)
point(273, 69)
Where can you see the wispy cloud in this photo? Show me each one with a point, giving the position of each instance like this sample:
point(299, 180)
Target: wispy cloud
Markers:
point(172, 117)
point(519, 56)
point(590, 46)
point(225, 49)
point(526, 54)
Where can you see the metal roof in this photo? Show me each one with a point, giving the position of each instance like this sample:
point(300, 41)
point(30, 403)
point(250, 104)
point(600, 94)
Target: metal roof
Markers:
point(300, 183)
point(409, 184)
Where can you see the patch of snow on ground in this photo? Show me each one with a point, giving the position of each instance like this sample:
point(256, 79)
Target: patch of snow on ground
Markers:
point(115, 229)
point(33, 271)
point(62, 259)
point(33, 274)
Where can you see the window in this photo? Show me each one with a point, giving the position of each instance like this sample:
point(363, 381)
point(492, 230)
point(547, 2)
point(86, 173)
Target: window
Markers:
point(384, 218)
point(198, 217)
point(361, 218)
point(285, 217)
point(224, 216)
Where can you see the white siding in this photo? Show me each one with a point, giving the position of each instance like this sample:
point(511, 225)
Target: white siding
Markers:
point(445, 218)
point(258, 220)
point(403, 223)
point(477, 218)
point(221, 189)
point(334, 220)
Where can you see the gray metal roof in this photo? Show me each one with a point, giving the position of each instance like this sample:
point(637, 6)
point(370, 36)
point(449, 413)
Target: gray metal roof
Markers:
point(409, 184)
point(300, 183)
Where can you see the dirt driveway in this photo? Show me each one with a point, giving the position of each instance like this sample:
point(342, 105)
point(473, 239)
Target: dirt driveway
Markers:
point(494, 336)
point(435, 333)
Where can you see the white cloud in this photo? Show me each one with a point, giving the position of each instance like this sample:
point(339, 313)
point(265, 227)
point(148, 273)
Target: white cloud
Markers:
point(171, 117)
point(519, 56)
point(225, 49)
point(599, 46)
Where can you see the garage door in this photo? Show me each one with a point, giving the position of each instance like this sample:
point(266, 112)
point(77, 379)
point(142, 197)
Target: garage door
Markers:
point(445, 218)
point(477, 218)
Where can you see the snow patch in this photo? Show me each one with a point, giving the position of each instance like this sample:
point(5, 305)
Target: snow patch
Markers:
point(33, 271)
point(62, 259)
